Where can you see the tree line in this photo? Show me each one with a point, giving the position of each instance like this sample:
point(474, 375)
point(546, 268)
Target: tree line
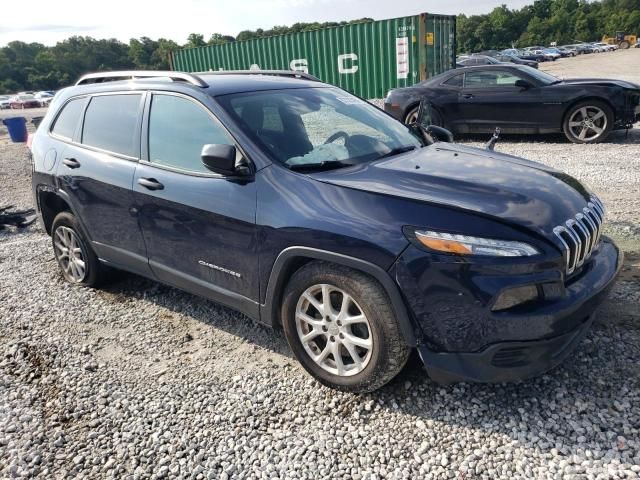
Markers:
point(546, 21)
point(33, 66)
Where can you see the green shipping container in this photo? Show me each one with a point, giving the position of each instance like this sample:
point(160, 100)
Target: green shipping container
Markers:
point(367, 59)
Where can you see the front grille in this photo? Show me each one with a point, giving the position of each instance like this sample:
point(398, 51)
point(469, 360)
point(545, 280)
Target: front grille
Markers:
point(580, 235)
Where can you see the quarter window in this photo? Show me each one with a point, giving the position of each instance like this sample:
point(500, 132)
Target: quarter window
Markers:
point(67, 121)
point(455, 81)
point(178, 129)
point(110, 123)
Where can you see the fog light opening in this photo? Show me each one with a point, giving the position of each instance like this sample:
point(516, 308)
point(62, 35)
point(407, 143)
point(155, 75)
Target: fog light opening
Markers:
point(513, 297)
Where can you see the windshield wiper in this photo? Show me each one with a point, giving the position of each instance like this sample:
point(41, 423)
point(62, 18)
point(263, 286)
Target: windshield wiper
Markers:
point(326, 165)
point(397, 151)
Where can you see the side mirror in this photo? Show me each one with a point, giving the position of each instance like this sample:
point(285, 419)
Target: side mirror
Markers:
point(523, 84)
point(219, 158)
point(439, 134)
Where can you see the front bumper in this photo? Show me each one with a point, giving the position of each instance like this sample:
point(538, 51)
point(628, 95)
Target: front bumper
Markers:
point(393, 108)
point(469, 342)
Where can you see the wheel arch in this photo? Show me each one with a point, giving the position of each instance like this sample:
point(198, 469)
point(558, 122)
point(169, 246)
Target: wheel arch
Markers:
point(416, 104)
point(293, 258)
point(584, 99)
point(407, 111)
point(51, 204)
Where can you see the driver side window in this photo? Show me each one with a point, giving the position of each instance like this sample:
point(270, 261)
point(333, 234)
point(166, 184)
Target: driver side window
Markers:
point(178, 129)
point(489, 79)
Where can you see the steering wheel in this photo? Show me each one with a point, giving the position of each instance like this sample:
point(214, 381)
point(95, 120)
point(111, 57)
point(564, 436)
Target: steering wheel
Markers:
point(339, 134)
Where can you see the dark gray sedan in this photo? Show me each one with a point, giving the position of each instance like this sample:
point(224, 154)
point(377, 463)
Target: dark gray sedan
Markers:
point(520, 99)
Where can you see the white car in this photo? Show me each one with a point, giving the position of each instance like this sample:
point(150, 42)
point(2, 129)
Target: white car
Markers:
point(5, 102)
point(598, 48)
point(607, 47)
point(44, 97)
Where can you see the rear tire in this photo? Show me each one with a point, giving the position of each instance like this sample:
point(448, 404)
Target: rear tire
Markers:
point(77, 260)
point(590, 121)
point(624, 45)
point(331, 311)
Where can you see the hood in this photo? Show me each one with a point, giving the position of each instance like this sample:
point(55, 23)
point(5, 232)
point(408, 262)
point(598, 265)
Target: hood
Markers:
point(505, 187)
point(602, 82)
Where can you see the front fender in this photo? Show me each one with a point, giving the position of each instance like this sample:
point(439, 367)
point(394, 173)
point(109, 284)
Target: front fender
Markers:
point(281, 272)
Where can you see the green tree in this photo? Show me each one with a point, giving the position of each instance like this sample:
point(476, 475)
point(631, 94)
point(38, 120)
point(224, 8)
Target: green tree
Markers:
point(195, 40)
point(141, 52)
point(160, 58)
point(219, 39)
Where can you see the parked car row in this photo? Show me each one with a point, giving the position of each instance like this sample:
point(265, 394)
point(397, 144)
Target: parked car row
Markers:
point(24, 100)
point(529, 56)
point(520, 99)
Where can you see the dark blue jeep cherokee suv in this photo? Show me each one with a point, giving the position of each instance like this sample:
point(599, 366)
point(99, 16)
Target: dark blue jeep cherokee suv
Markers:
point(303, 206)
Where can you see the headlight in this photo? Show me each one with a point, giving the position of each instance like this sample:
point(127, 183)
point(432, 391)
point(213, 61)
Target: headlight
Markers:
point(466, 245)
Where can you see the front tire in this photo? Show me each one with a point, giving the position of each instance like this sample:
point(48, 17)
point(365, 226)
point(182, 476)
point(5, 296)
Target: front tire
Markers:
point(340, 325)
point(412, 116)
point(590, 121)
point(77, 261)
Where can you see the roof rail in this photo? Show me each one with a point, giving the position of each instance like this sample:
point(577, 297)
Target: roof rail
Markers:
point(277, 73)
point(101, 77)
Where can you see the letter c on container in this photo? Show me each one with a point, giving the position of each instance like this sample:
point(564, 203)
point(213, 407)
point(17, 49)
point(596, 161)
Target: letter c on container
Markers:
point(342, 68)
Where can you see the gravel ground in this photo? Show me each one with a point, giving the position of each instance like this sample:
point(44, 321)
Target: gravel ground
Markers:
point(139, 380)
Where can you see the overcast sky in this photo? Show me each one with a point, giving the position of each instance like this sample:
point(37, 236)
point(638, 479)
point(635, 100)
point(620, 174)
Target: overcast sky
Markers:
point(48, 21)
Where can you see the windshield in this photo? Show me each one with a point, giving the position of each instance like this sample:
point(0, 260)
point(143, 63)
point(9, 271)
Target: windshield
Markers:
point(541, 76)
point(317, 126)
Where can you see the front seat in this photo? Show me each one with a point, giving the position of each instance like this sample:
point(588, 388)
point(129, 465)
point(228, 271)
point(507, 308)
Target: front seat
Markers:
point(253, 116)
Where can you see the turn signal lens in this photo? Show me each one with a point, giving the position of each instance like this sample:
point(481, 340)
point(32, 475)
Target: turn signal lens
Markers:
point(467, 245)
point(444, 245)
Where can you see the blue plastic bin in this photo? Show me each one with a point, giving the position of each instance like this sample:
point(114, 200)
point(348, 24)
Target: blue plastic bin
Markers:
point(17, 127)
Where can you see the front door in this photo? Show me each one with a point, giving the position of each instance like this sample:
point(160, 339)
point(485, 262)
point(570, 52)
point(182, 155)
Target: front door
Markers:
point(199, 227)
point(491, 99)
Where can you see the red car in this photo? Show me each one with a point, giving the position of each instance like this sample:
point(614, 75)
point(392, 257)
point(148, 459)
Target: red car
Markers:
point(24, 101)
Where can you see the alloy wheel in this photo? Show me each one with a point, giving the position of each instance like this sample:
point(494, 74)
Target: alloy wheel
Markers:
point(69, 254)
point(588, 123)
point(333, 330)
point(412, 117)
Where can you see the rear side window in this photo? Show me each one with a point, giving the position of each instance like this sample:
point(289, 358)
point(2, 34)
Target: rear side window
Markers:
point(110, 123)
point(489, 79)
point(67, 121)
point(178, 129)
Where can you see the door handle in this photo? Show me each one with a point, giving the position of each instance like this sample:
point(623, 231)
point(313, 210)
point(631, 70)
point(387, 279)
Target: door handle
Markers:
point(467, 96)
point(150, 183)
point(71, 162)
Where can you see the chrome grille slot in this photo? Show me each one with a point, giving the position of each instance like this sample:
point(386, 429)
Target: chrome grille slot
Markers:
point(580, 235)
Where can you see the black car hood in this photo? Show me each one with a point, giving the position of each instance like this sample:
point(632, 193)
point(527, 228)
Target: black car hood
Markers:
point(602, 82)
point(509, 188)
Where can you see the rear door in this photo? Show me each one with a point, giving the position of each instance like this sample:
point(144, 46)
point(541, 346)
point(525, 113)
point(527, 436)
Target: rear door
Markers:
point(490, 99)
point(199, 226)
point(96, 173)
